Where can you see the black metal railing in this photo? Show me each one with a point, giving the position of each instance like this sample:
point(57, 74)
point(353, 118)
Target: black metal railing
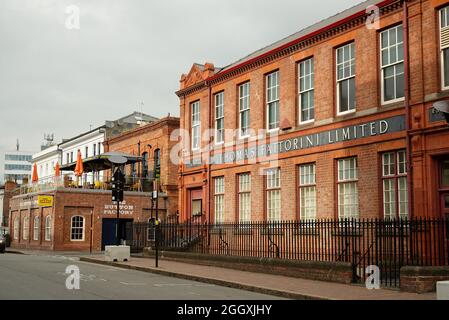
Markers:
point(387, 244)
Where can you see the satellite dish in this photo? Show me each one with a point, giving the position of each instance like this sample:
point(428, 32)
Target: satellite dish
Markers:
point(116, 159)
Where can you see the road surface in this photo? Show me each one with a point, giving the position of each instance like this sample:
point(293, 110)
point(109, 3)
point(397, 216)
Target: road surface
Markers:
point(43, 277)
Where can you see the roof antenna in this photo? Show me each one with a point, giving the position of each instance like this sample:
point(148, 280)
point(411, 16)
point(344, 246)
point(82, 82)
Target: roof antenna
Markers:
point(141, 108)
point(17, 145)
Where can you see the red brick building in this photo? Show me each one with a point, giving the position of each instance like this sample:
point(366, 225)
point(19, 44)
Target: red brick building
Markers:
point(84, 219)
point(346, 106)
point(152, 142)
point(78, 219)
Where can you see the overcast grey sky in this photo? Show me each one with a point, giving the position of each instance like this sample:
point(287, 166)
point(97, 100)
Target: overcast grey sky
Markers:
point(55, 80)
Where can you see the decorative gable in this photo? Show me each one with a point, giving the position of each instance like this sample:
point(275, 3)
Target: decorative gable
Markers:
point(198, 73)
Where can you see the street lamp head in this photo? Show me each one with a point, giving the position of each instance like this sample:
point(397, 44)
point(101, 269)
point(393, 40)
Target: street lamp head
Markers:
point(443, 108)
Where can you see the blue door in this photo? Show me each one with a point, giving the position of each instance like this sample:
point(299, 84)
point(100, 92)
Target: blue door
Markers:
point(108, 233)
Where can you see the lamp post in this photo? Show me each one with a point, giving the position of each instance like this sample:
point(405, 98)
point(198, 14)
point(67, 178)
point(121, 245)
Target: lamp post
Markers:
point(117, 188)
point(443, 108)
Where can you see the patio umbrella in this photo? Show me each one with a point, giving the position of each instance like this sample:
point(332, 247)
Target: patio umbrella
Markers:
point(79, 170)
point(35, 177)
point(57, 170)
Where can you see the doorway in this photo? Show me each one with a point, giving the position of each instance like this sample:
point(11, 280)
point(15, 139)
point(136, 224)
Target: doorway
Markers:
point(108, 235)
point(196, 204)
point(444, 187)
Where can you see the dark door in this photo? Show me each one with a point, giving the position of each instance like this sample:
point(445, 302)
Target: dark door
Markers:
point(108, 237)
point(108, 233)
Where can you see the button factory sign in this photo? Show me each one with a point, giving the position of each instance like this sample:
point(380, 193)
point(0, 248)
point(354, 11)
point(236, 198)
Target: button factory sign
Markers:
point(350, 133)
point(124, 208)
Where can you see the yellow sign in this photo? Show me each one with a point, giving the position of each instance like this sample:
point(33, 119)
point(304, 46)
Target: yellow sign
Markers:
point(45, 201)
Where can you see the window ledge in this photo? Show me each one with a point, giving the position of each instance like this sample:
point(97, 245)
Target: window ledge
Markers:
point(393, 102)
point(444, 93)
point(346, 113)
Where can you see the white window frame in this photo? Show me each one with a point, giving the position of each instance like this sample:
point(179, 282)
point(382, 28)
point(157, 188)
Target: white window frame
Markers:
point(244, 197)
point(195, 125)
point(219, 116)
point(273, 191)
point(72, 227)
point(36, 228)
point(219, 205)
point(396, 173)
point(310, 77)
point(48, 228)
point(383, 67)
point(307, 192)
point(347, 78)
point(443, 25)
point(16, 228)
point(274, 100)
point(26, 228)
point(244, 106)
point(344, 181)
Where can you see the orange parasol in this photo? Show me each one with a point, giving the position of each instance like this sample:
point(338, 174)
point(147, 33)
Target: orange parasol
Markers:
point(79, 170)
point(35, 177)
point(57, 170)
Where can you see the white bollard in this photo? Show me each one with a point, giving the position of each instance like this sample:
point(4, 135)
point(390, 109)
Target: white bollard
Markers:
point(443, 290)
point(117, 253)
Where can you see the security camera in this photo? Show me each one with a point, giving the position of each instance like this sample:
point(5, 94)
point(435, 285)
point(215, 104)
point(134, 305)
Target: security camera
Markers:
point(443, 108)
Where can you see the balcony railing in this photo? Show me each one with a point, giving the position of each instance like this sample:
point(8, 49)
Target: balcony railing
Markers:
point(132, 183)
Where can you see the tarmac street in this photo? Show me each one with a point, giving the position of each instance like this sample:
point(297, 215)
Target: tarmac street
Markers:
point(44, 277)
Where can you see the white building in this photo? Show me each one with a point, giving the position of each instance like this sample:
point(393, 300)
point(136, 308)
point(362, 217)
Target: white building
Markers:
point(17, 166)
point(90, 144)
point(46, 163)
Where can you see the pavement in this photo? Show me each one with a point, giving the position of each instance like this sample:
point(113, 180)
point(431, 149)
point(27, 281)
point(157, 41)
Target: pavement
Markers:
point(42, 276)
point(282, 286)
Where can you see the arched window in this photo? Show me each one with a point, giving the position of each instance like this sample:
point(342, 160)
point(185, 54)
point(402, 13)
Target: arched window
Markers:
point(48, 228)
point(157, 163)
point(26, 228)
point(77, 230)
point(16, 228)
point(145, 164)
point(36, 228)
point(157, 158)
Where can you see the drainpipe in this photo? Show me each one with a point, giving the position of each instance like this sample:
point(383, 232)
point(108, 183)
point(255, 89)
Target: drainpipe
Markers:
point(209, 175)
point(407, 110)
point(182, 204)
